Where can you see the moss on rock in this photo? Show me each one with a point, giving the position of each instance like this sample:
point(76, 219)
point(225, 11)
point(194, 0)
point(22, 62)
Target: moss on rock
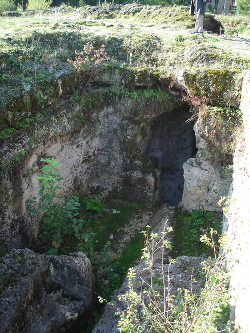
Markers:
point(216, 86)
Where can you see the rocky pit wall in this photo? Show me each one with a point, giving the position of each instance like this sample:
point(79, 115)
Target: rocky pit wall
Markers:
point(102, 142)
point(41, 293)
point(103, 145)
point(237, 226)
point(101, 151)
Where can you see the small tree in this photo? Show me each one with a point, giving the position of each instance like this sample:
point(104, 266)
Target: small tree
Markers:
point(59, 216)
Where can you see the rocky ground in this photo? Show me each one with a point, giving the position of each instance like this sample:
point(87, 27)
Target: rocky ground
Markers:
point(182, 273)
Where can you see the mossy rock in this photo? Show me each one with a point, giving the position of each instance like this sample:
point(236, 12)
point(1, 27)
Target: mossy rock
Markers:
point(216, 86)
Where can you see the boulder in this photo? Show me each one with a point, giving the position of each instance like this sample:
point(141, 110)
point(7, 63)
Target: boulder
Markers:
point(42, 293)
point(212, 25)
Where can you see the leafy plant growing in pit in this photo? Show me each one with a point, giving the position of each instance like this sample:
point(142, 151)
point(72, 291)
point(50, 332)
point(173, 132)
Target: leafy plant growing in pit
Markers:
point(59, 215)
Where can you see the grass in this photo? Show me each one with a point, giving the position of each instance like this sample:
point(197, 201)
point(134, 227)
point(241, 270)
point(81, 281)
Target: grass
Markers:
point(107, 227)
point(34, 48)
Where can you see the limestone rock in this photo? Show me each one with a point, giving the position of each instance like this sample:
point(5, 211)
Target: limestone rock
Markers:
point(41, 293)
point(202, 187)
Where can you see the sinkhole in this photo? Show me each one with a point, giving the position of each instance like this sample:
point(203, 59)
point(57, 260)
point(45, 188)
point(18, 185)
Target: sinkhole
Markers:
point(170, 143)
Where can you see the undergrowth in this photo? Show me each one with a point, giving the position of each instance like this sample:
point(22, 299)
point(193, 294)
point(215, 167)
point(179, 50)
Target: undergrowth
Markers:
point(190, 226)
point(69, 224)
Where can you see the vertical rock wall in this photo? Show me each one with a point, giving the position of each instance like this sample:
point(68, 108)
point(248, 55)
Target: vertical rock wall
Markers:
point(203, 185)
point(238, 221)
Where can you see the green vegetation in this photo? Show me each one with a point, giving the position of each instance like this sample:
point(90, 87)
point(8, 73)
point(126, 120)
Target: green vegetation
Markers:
point(7, 5)
point(15, 159)
point(59, 215)
point(3, 251)
point(243, 7)
point(190, 227)
point(114, 270)
point(38, 4)
point(228, 124)
point(69, 223)
point(154, 308)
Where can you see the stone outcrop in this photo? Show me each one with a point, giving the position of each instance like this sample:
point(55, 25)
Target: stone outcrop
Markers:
point(40, 293)
point(203, 185)
point(237, 224)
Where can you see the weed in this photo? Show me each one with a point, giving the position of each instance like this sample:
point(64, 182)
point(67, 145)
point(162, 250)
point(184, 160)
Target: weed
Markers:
point(7, 132)
point(3, 251)
point(114, 271)
point(15, 159)
point(89, 63)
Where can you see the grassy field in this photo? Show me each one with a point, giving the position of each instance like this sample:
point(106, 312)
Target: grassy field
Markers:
point(35, 47)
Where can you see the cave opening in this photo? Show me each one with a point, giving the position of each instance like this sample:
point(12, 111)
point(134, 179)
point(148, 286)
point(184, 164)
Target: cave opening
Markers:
point(170, 143)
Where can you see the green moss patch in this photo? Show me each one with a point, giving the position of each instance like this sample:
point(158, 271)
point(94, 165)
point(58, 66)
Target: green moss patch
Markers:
point(214, 85)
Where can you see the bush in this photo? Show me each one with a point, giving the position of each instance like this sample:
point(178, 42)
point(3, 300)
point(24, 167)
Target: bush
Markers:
point(7, 5)
point(38, 4)
point(61, 226)
point(89, 63)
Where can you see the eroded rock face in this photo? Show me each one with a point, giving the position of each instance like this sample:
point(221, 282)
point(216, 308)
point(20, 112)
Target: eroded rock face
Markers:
point(237, 226)
point(101, 152)
point(41, 293)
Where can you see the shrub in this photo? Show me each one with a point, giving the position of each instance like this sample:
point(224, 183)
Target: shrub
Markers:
point(38, 4)
point(7, 5)
point(59, 215)
point(89, 63)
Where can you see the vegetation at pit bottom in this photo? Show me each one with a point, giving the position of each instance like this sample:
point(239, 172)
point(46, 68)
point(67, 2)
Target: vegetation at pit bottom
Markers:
point(69, 224)
point(190, 226)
